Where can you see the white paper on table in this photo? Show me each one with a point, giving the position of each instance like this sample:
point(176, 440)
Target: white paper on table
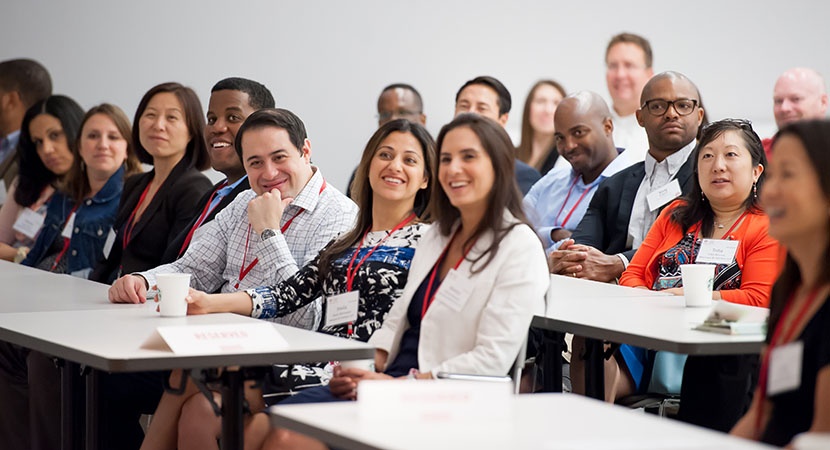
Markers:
point(434, 401)
point(216, 338)
point(734, 312)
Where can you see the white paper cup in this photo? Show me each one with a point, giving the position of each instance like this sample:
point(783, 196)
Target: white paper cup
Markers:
point(365, 364)
point(173, 288)
point(697, 283)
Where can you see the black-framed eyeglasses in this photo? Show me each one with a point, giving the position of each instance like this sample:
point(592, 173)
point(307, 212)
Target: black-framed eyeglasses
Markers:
point(658, 106)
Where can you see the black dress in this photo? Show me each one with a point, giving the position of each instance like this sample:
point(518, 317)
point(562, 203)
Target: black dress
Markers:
point(792, 411)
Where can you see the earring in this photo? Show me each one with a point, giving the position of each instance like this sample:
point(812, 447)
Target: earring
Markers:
point(702, 197)
point(83, 166)
point(754, 190)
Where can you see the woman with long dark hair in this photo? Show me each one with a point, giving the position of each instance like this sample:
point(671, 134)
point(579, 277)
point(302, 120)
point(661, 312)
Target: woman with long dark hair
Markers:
point(370, 263)
point(483, 247)
point(84, 209)
point(45, 158)
point(537, 147)
point(797, 199)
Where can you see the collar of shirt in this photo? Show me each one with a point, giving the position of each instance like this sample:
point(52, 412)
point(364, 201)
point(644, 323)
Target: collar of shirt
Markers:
point(111, 189)
point(227, 189)
point(617, 164)
point(309, 196)
point(673, 162)
point(8, 143)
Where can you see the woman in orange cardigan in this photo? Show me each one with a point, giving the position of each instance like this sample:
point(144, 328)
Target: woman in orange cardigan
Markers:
point(723, 205)
point(747, 280)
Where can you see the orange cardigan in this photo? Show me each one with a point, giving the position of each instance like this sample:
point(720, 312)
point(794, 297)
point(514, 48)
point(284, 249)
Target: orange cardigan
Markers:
point(757, 256)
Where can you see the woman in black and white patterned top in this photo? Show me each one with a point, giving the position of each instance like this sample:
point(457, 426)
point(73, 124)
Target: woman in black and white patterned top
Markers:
point(368, 265)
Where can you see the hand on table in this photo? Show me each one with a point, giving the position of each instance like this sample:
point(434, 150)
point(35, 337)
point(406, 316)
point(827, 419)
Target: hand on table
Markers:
point(129, 289)
point(343, 383)
point(673, 291)
point(198, 302)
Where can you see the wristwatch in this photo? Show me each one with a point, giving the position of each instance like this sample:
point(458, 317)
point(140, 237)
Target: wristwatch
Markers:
point(267, 233)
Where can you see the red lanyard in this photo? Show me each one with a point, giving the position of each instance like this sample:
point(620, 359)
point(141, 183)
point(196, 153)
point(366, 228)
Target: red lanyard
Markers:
point(578, 201)
point(774, 341)
point(243, 270)
point(429, 296)
point(352, 269)
point(201, 218)
point(128, 228)
point(66, 240)
point(287, 224)
point(725, 235)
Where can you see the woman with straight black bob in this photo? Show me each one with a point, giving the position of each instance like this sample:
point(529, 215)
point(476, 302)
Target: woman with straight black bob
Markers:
point(168, 133)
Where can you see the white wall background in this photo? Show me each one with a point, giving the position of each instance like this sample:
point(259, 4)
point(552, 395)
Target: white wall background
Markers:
point(327, 61)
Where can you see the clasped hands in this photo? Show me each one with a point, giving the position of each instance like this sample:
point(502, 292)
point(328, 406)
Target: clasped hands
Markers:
point(584, 261)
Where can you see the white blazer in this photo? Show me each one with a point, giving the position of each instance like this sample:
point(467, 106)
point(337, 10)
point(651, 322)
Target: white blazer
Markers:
point(485, 336)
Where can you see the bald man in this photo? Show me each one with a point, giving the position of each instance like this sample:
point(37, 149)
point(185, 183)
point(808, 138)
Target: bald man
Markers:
point(400, 101)
point(622, 210)
point(799, 94)
point(584, 137)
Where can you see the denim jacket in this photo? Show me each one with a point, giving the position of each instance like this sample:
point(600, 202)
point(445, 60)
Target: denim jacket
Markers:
point(94, 219)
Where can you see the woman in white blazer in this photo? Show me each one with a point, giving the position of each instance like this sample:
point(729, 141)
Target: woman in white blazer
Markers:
point(478, 276)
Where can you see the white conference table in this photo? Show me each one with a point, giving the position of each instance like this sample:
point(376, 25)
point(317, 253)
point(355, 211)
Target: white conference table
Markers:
point(630, 316)
point(26, 289)
point(538, 421)
point(72, 319)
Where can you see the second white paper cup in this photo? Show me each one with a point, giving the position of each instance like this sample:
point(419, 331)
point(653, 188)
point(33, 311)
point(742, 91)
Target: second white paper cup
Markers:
point(697, 283)
point(173, 288)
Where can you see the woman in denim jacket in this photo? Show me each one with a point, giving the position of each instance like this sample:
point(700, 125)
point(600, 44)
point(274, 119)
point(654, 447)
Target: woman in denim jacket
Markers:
point(80, 216)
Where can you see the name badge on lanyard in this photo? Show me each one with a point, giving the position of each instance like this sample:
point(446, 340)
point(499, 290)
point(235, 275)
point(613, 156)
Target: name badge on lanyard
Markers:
point(717, 251)
point(454, 291)
point(109, 243)
point(29, 223)
point(663, 195)
point(785, 368)
point(342, 308)
point(70, 224)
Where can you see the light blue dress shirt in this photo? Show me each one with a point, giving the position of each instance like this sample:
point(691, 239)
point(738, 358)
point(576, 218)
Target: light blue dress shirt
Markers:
point(561, 197)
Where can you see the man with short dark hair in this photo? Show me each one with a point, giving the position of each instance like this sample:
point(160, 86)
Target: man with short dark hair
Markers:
point(799, 94)
point(584, 137)
point(268, 231)
point(628, 63)
point(400, 101)
point(265, 235)
point(487, 96)
point(23, 82)
point(232, 100)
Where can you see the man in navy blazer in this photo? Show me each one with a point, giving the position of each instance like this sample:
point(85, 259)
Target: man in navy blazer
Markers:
point(626, 204)
point(232, 100)
point(487, 96)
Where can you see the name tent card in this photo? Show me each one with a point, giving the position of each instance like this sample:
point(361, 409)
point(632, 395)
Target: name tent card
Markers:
point(216, 338)
point(434, 401)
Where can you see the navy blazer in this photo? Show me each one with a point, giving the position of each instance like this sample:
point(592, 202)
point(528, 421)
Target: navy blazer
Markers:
point(605, 224)
point(174, 250)
point(526, 176)
point(171, 210)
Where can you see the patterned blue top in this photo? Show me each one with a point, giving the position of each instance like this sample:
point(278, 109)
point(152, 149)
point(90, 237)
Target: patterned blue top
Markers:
point(380, 280)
